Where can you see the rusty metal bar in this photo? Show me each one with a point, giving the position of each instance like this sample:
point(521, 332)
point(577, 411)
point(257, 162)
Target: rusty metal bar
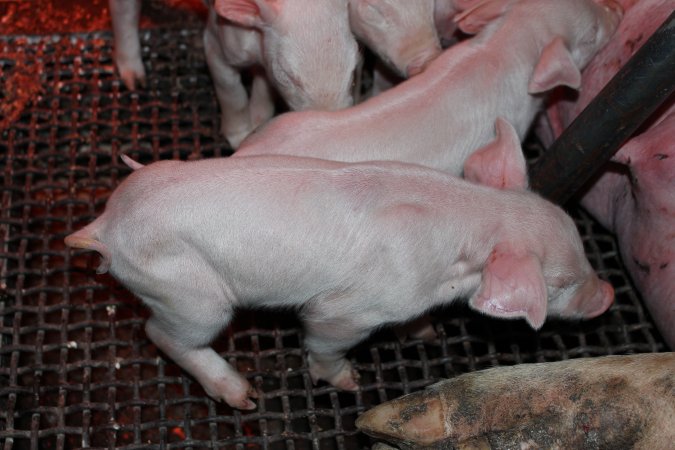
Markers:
point(629, 98)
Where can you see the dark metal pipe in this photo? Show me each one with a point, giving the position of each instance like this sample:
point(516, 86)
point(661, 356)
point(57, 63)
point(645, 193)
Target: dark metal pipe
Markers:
point(629, 98)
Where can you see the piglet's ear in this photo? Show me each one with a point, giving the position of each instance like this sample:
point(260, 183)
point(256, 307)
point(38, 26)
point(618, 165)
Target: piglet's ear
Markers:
point(555, 68)
point(475, 18)
point(512, 286)
point(500, 163)
point(248, 13)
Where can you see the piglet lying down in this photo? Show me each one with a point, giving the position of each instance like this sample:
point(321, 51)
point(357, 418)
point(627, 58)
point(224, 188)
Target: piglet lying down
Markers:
point(352, 246)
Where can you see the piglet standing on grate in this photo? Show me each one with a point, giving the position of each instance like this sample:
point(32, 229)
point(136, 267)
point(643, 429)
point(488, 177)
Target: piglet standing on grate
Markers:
point(522, 49)
point(305, 47)
point(634, 195)
point(352, 246)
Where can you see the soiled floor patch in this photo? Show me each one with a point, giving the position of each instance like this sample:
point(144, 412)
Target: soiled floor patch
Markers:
point(18, 86)
point(31, 17)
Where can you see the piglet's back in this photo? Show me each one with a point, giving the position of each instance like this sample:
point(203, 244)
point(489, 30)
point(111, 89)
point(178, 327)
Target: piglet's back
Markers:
point(252, 214)
point(238, 184)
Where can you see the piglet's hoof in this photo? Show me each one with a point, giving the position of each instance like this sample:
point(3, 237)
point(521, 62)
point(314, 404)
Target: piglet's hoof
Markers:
point(347, 381)
point(345, 378)
point(244, 403)
point(132, 73)
point(236, 393)
point(247, 404)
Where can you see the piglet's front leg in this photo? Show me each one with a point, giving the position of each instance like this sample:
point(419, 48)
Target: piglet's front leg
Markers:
point(187, 345)
point(125, 16)
point(235, 114)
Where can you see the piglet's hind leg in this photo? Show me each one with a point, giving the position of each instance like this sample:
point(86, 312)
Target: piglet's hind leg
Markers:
point(188, 345)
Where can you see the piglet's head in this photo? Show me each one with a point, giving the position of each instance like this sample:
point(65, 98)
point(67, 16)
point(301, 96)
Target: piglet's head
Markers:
point(571, 32)
point(520, 283)
point(309, 50)
point(401, 32)
point(578, 30)
point(543, 271)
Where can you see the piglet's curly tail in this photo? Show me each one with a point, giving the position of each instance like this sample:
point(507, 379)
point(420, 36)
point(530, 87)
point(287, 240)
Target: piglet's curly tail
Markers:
point(86, 239)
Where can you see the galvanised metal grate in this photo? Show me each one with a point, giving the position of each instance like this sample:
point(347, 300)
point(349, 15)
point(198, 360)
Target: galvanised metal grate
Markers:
point(76, 369)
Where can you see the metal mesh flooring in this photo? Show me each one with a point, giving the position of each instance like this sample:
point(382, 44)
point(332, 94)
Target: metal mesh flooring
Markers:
point(76, 369)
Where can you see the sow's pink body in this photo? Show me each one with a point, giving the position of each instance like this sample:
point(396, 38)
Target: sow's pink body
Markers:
point(635, 194)
point(351, 246)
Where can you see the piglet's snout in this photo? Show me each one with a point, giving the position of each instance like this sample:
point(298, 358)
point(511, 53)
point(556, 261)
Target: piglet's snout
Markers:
point(593, 299)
